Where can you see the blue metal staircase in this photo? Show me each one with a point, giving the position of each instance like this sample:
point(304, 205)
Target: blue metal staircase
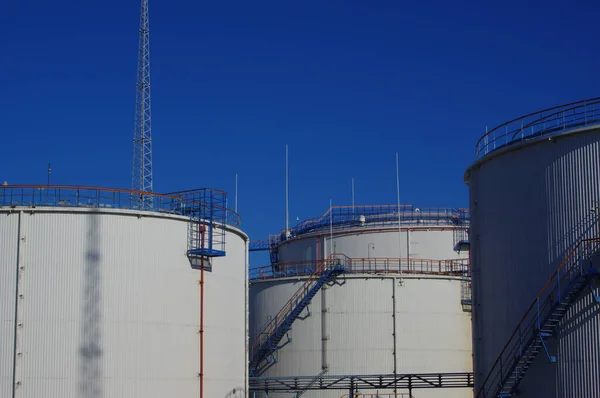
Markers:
point(545, 313)
point(267, 341)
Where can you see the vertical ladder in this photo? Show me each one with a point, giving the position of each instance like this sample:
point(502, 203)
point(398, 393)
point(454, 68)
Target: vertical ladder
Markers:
point(206, 229)
point(465, 290)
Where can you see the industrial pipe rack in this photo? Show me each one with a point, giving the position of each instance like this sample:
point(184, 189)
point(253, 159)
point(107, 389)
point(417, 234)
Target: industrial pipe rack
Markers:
point(354, 383)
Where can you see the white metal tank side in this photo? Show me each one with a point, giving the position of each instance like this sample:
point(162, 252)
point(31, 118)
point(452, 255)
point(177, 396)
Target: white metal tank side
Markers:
point(355, 319)
point(434, 242)
point(530, 204)
point(108, 304)
point(9, 242)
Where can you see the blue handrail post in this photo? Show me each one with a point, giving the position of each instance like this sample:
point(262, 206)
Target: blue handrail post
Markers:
point(210, 220)
point(522, 131)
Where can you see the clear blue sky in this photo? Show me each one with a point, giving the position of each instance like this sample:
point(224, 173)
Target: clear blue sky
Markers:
point(345, 83)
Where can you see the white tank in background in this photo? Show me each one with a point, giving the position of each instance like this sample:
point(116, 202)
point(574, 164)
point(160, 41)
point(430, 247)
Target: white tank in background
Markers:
point(534, 194)
point(401, 307)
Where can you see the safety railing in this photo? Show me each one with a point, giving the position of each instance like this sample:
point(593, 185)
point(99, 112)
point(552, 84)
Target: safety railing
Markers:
point(296, 268)
point(207, 203)
point(98, 197)
point(408, 266)
point(342, 217)
point(531, 323)
point(366, 266)
point(548, 121)
point(353, 383)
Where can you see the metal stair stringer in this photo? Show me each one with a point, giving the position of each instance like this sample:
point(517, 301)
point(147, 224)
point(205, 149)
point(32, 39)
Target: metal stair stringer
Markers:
point(267, 341)
point(541, 320)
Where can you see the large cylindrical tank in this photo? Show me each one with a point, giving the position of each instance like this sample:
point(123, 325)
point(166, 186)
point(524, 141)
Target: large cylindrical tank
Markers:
point(101, 301)
point(534, 194)
point(373, 319)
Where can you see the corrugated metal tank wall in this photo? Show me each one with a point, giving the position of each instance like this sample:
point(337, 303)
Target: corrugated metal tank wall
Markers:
point(8, 256)
point(530, 205)
point(355, 333)
point(414, 242)
point(109, 306)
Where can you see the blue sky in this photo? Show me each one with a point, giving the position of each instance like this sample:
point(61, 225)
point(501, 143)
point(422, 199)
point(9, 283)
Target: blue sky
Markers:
point(345, 83)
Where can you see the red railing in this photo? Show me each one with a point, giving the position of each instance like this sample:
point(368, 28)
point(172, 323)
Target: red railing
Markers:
point(378, 395)
point(409, 266)
point(366, 266)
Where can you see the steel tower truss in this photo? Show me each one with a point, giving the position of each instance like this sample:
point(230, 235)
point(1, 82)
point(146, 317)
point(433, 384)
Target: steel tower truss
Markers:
point(142, 139)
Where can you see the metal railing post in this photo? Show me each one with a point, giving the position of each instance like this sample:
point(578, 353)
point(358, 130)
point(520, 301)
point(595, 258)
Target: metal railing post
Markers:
point(520, 341)
point(558, 284)
point(522, 132)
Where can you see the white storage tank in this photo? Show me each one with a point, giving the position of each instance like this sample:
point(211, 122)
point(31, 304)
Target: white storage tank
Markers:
point(98, 299)
point(534, 195)
point(399, 308)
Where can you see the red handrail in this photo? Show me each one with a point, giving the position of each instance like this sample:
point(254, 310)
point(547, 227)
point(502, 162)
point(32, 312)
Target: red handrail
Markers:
point(368, 265)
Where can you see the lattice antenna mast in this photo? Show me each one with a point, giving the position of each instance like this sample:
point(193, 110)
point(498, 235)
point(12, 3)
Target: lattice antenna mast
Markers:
point(142, 139)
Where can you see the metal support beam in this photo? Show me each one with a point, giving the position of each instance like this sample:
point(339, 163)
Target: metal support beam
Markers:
point(355, 383)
